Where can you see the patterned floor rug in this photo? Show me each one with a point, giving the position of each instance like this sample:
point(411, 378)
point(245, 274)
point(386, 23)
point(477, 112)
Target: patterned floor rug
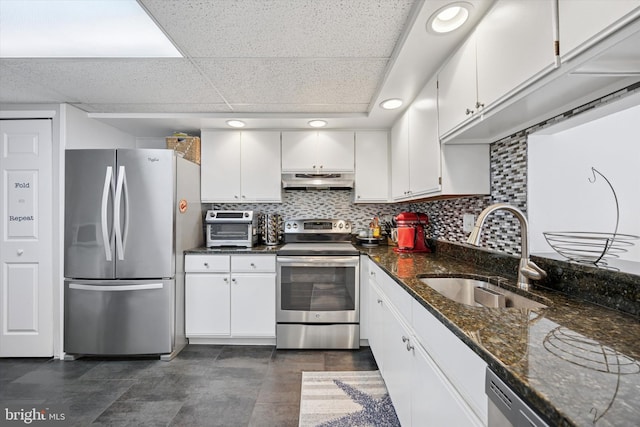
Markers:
point(341, 399)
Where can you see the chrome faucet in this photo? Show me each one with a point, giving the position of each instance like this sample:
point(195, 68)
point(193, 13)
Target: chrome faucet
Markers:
point(527, 270)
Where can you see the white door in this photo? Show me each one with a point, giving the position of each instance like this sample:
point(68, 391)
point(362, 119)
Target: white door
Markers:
point(260, 166)
point(335, 151)
point(220, 171)
point(26, 282)
point(400, 158)
point(253, 305)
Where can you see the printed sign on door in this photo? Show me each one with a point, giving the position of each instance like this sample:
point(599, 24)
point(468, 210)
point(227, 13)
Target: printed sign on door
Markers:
point(22, 204)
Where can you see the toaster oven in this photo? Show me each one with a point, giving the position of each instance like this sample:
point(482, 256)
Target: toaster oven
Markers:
point(231, 228)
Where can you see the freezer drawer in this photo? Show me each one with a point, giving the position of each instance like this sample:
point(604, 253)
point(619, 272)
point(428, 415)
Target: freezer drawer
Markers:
point(118, 317)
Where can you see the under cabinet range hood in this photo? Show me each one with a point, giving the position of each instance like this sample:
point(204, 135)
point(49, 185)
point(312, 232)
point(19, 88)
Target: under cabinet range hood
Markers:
point(317, 181)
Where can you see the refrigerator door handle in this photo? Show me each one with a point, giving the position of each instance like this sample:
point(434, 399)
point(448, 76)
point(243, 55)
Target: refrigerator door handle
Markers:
point(103, 288)
point(121, 193)
point(106, 238)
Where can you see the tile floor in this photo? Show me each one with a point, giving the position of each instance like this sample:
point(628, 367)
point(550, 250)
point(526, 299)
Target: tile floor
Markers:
point(203, 386)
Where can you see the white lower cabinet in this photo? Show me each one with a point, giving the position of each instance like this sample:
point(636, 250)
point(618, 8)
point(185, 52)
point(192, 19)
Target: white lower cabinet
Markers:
point(434, 400)
point(207, 304)
point(230, 298)
point(423, 390)
point(253, 302)
point(398, 366)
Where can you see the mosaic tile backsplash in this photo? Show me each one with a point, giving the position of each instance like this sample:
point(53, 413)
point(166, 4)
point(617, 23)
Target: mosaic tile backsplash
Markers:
point(508, 185)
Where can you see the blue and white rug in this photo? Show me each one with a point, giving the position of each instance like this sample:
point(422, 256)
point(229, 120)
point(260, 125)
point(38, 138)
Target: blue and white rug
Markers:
point(341, 399)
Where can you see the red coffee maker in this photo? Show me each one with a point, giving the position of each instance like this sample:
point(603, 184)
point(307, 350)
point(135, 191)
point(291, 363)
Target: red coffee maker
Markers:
point(411, 235)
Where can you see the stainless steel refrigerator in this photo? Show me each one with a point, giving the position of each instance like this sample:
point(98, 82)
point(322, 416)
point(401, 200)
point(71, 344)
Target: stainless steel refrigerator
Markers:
point(129, 215)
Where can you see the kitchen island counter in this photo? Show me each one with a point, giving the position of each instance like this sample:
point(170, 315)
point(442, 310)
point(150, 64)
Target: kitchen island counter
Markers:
point(575, 362)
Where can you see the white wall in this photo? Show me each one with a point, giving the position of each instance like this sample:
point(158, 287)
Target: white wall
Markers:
point(151, 142)
point(561, 198)
point(83, 132)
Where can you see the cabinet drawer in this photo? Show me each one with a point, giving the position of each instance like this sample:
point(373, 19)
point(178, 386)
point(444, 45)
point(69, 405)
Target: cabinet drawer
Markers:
point(253, 263)
point(206, 263)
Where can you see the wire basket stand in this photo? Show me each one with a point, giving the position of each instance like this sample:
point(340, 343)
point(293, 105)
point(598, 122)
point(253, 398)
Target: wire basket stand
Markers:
point(592, 247)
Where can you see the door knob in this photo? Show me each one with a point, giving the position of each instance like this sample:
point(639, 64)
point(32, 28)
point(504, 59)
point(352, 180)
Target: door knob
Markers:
point(20, 252)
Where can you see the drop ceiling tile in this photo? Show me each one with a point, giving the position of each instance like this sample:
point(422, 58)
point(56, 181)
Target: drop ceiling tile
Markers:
point(16, 88)
point(300, 108)
point(295, 81)
point(177, 107)
point(283, 28)
point(119, 81)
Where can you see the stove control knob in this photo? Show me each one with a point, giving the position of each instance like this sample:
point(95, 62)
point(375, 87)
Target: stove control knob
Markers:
point(288, 226)
point(346, 226)
point(341, 225)
point(295, 225)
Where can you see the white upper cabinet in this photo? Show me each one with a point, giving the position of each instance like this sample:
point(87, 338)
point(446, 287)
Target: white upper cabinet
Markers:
point(415, 148)
point(220, 166)
point(424, 144)
point(372, 167)
point(512, 47)
point(457, 87)
point(515, 46)
point(240, 166)
point(422, 167)
point(260, 172)
point(318, 151)
point(400, 158)
point(585, 22)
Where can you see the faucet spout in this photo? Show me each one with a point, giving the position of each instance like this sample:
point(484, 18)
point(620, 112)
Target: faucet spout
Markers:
point(527, 269)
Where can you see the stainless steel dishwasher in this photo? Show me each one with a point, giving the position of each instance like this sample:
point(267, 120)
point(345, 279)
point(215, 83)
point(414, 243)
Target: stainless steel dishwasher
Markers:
point(506, 408)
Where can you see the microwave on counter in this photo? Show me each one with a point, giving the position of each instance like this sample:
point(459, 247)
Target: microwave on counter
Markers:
point(231, 228)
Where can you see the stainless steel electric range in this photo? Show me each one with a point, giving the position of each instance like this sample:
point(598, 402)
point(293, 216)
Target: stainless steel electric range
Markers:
point(318, 292)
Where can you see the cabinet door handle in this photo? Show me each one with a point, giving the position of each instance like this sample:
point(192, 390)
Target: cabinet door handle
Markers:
point(404, 339)
point(469, 112)
point(253, 265)
point(409, 346)
point(379, 301)
point(226, 280)
point(479, 105)
point(234, 280)
point(206, 264)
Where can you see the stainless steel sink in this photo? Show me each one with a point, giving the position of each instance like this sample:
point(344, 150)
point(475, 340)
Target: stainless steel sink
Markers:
point(479, 293)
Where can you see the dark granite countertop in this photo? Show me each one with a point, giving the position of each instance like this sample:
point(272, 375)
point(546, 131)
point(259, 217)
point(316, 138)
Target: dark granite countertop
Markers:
point(258, 249)
point(575, 362)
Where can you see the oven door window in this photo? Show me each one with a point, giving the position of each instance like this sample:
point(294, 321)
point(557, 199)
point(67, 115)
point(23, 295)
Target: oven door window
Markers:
point(227, 232)
point(322, 288)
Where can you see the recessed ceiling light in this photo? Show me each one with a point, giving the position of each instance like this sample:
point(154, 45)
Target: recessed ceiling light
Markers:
point(449, 17)
point(80, 29)
point(317, 123)
point(391, 104)
point(236, 123)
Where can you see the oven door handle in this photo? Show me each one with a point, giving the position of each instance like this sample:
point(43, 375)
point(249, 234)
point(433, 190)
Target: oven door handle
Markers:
point(318, 261)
